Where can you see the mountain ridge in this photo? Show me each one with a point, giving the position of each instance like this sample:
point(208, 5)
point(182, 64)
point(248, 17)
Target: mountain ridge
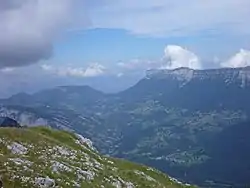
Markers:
point(187, 74)
point(180, 126)
point(181, 74)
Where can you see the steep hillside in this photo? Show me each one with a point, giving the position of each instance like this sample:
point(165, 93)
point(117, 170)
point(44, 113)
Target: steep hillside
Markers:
point(42, 157)
point(60, 118)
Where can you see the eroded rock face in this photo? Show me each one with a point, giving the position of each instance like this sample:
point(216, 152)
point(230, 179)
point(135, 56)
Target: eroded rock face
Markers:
point(45, 182)
point(85, 141)
point(228, 75)
point(17, 148)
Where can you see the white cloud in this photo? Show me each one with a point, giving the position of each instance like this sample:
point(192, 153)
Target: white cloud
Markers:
point(92, 70)
point(176, 57)
point(95, 70)
point(173, 17)
point(29, 27)
point(241, 59)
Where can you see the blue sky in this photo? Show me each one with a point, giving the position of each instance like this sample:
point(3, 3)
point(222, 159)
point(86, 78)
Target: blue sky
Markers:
point(109, 46)
point(46, 43)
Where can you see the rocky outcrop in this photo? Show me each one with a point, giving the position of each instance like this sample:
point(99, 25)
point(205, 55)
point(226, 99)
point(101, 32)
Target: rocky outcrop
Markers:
point(8, 122)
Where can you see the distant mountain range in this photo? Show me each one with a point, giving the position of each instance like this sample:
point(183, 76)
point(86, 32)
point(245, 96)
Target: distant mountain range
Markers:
point(192, 124)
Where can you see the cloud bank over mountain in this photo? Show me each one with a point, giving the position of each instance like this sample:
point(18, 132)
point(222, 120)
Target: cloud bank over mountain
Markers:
point(110, 77)
point(177, 56)
point(173, 57)
point(30, 29)
point(92, 70)
point(241, 59)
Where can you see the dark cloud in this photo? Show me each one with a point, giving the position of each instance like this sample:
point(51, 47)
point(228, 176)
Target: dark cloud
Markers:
point(24, 53)
point(10, 4)
point(29, 27)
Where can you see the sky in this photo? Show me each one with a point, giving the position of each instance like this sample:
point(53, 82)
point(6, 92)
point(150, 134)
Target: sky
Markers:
point(109, 44)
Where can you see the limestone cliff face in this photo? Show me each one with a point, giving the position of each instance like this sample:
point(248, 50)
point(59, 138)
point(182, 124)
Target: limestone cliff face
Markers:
point(240, 76)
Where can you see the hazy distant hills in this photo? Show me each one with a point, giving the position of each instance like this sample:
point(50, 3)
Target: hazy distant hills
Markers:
point(192, 124)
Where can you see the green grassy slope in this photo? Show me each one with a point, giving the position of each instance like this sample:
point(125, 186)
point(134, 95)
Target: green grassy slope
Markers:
point(42, 157)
